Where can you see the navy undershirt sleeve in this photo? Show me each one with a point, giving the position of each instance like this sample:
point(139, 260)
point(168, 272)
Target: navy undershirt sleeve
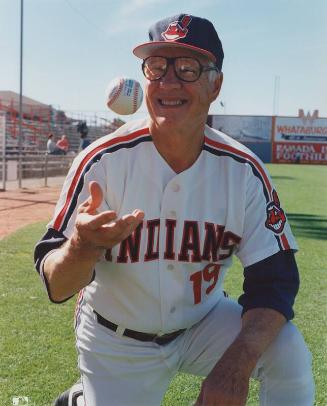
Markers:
point(271, 283)
point(51, 240)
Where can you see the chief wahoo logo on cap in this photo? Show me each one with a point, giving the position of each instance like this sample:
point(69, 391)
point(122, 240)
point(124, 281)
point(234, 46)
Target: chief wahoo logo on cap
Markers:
point(177, 30)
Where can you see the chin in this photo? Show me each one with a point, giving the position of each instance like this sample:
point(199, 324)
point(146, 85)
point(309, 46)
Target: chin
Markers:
point(169, 121)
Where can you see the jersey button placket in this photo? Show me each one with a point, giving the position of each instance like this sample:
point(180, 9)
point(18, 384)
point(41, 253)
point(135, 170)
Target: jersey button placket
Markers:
point(176, 187)
point(169, 210)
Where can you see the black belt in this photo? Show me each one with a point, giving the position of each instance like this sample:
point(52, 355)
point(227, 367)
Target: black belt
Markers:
point(161, 340)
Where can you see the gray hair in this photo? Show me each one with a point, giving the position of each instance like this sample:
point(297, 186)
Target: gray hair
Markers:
point(212, 74)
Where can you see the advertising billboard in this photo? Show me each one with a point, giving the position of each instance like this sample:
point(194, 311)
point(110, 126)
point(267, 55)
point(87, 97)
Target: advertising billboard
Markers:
point(300, 139)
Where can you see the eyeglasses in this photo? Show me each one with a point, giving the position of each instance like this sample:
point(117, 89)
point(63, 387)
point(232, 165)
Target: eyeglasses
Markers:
point(186, 69)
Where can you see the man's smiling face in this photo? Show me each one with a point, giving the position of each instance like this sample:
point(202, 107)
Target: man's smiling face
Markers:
point(174, 103)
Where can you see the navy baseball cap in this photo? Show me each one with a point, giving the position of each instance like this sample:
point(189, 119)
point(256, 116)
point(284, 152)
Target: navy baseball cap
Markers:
point(186, 31)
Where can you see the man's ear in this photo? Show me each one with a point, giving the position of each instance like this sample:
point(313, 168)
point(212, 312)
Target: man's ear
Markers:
point(217, 86)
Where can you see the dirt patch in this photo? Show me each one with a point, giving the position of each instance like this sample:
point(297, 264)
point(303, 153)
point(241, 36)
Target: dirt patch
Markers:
point(21, 207)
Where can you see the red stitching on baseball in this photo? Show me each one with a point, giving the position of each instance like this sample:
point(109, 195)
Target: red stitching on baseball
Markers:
point(116, 93)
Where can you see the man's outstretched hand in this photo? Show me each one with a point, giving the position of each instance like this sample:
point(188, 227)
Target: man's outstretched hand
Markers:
point(102, 230)
point(70, 268)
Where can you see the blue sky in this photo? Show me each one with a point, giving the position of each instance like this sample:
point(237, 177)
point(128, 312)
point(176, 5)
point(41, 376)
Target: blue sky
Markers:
point(73, 48)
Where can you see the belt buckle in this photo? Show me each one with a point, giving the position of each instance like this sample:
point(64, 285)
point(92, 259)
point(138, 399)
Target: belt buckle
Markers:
point(161, 339)
point(158, 336)
point(158, 339)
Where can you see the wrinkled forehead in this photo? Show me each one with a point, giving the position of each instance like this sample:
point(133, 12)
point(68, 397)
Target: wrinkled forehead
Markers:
point(173, 52)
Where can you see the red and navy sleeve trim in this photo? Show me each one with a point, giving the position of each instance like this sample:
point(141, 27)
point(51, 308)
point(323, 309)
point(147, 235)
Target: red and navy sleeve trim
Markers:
point(219, 149)
point(129, 141)
point(271, 283)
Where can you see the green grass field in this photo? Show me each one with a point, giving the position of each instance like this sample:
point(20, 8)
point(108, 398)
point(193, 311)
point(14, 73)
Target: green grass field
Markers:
point(37, 350)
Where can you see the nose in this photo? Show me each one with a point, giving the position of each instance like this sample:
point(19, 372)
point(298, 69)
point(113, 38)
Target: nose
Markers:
point(170, 79)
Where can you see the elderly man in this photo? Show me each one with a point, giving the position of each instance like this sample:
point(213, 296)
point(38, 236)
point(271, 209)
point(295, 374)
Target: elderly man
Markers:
point(145, 229)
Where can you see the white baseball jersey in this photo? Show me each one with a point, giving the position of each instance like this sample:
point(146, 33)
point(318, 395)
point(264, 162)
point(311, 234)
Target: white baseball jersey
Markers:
point(169, 273)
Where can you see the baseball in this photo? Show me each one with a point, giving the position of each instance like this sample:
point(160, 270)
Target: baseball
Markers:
point(124, 95)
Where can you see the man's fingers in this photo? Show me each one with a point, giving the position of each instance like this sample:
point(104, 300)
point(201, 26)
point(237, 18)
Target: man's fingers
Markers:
point(94, 201)
point(93, 222)
point(107, 219)
point(96, 195)
point(105, 229)
point(136, 217)
point(102, 219)
point(120, 229)
point(127, 224)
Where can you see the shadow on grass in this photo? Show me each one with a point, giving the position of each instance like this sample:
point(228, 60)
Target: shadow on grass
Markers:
point(283, 178)
point(308, 225)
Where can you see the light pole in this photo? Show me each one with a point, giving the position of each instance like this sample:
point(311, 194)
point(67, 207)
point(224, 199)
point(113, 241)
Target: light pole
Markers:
point(276, 96)
point(20, 140)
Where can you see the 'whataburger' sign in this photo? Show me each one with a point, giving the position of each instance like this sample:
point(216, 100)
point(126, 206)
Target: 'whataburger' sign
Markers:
point(302, 138)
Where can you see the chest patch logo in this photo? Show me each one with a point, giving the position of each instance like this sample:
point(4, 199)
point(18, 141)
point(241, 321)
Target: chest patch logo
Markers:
point(177, 30)
point(276, 218)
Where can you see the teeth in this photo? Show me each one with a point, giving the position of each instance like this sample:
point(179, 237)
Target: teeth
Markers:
point(277, 225)
point(171, 102)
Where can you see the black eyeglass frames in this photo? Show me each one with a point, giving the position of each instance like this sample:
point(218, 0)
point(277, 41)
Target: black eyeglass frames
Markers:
point(187, 69)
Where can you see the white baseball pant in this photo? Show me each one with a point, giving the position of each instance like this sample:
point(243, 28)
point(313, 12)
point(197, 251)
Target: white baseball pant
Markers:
point(120, 371)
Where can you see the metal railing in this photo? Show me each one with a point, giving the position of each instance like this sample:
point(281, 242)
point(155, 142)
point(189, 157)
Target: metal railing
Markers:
point(34, 165)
